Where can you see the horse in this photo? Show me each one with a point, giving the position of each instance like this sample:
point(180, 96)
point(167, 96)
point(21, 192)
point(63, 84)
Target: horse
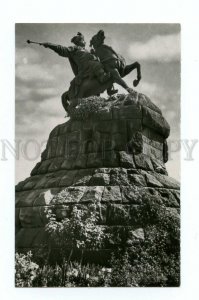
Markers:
point(89, 87)
point(94, 76)
point(114, 63)
point(92, 80)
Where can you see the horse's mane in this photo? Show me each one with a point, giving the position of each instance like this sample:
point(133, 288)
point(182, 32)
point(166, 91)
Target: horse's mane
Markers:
point(119, 57)
point(110, 48)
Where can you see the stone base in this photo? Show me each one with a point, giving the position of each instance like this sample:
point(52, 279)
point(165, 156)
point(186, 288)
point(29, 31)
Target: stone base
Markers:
point(114, 158)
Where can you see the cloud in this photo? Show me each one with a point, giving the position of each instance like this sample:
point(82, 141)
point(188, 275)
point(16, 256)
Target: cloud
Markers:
point(22, 93)
point(173, 166)
point(164, 48)
point(38, 94)
point(30, 67)
point(27, 55)
point(35, 80)
point(39, 118)
point(33, 72)
point(147, 88)
point(33, 93)
point(52, 107)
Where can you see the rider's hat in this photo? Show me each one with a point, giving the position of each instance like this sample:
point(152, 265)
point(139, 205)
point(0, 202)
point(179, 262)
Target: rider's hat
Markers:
point(77, 38)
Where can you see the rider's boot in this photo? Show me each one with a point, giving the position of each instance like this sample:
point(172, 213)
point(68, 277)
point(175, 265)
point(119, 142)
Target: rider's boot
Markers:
point(111, 91)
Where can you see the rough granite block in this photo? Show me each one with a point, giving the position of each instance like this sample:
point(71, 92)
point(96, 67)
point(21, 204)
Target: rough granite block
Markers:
point(155, 121)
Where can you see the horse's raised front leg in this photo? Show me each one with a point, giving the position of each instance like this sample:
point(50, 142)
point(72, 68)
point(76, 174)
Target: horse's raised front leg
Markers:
point(129, 68)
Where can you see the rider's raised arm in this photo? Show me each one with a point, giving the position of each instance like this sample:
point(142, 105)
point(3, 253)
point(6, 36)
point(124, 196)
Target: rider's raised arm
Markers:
point(61, 50)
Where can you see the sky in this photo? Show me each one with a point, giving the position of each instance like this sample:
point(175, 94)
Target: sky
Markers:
point(42, 76)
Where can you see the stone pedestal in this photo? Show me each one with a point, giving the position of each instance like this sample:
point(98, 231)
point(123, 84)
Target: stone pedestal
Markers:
point(111, 152)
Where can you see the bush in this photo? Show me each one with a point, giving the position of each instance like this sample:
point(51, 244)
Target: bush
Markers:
point(152, 261)
point(29, 274)
point(80, 231)
point(25, 270)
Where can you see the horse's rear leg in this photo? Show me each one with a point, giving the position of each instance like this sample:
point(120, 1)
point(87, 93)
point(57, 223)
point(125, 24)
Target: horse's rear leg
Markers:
point(129, 68)
point(117, 78)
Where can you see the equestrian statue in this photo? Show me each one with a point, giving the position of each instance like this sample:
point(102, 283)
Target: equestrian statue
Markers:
point(95, 71)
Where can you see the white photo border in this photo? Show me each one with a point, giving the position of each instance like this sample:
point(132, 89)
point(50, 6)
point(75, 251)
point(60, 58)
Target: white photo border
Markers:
point(105, 11)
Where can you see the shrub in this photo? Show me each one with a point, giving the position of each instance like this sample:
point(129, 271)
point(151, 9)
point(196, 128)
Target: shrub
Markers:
point(25, 270)
point(80, 231)
point(152, 261)
point(29, 274)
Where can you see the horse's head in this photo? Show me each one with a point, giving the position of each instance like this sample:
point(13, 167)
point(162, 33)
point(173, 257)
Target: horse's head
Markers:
point(98, 39)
